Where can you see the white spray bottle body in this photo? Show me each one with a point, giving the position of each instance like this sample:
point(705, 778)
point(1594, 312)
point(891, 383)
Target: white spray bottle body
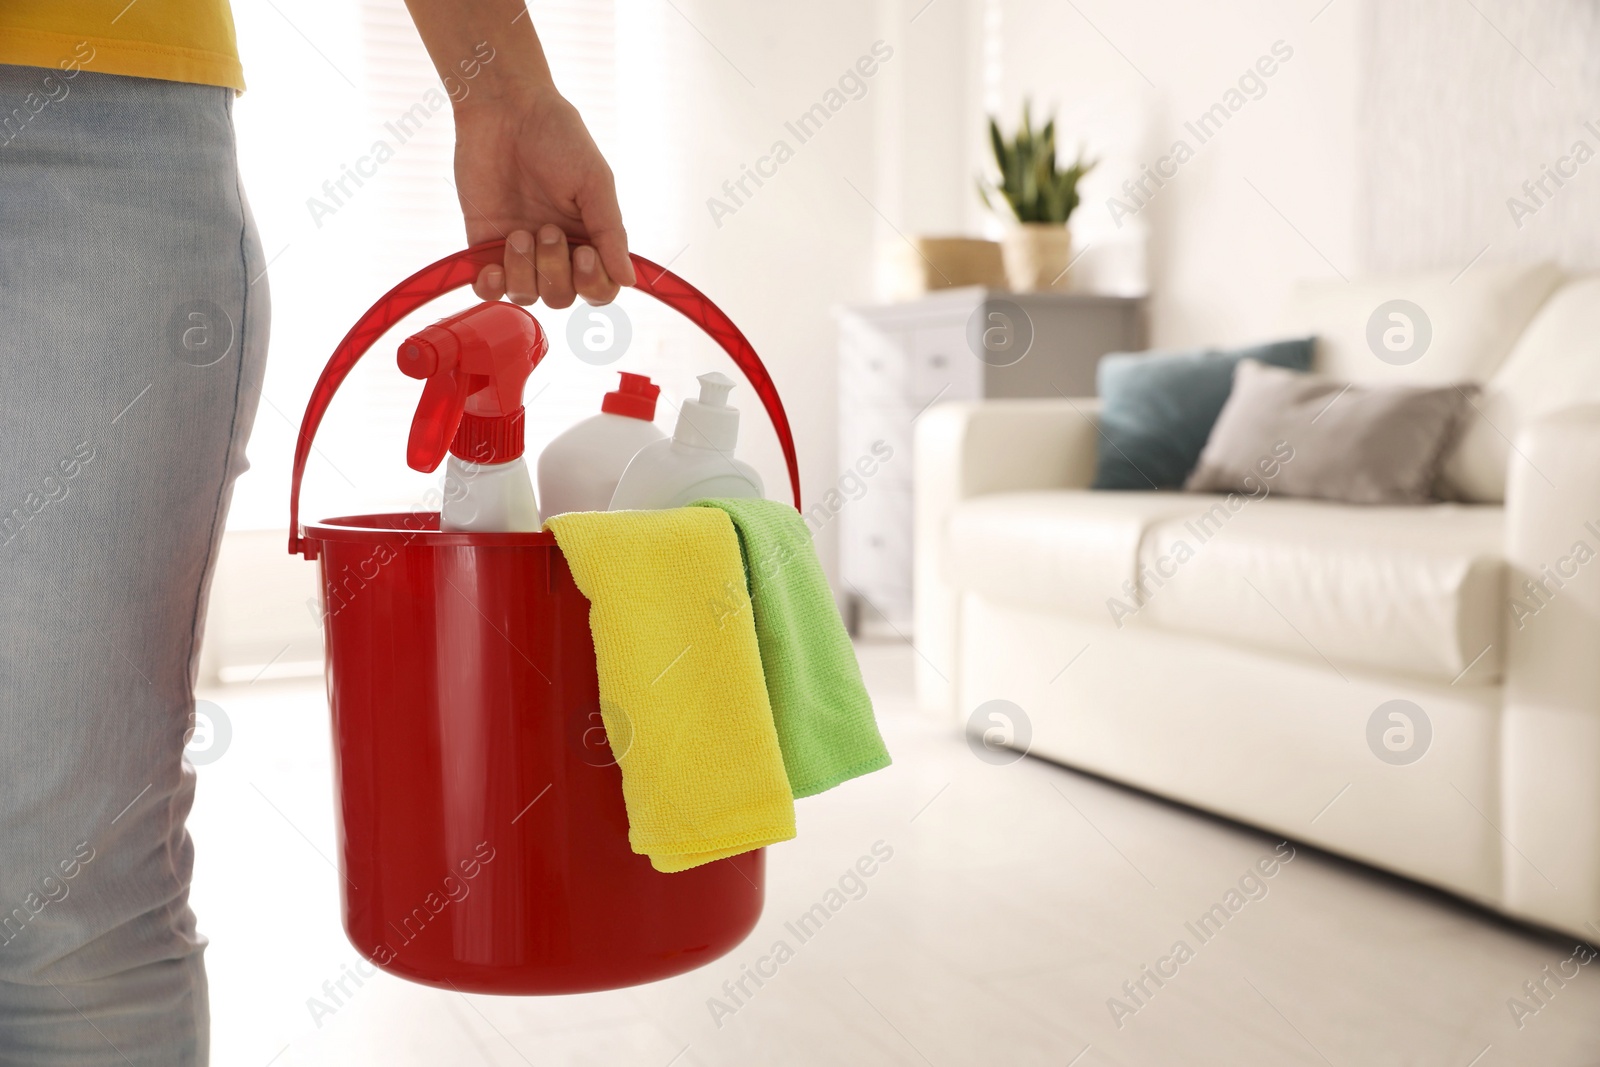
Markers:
point(485, 497)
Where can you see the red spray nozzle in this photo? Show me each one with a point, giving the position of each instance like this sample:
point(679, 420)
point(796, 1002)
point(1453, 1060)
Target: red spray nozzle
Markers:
point(475, 363)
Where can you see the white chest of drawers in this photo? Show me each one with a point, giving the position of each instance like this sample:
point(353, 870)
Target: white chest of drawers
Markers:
point(896, 361)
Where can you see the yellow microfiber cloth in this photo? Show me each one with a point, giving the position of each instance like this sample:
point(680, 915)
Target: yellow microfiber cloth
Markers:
point(681, 690)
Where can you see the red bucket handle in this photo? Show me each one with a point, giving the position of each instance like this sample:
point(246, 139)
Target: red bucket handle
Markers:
point(461, 268)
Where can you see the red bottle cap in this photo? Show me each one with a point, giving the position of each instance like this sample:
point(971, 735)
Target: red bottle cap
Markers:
point(635, 398)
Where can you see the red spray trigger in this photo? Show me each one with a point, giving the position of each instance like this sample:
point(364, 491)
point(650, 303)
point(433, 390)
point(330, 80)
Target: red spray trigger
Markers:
point(475, 363)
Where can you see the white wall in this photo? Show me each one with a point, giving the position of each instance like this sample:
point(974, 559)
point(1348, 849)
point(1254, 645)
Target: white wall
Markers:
point(1461, 108)
point(723, 81)
point(1271, 197)
point(731, 76)
point(1394, 140)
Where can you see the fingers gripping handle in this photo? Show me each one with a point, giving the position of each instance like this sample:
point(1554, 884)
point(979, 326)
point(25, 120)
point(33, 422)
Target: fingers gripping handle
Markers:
point(461, 268)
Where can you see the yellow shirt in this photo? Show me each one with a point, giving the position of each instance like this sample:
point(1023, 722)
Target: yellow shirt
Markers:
point(174, 40)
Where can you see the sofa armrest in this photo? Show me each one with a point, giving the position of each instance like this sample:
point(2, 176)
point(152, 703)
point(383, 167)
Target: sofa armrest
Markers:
point(1550, 751)
point(964, 450)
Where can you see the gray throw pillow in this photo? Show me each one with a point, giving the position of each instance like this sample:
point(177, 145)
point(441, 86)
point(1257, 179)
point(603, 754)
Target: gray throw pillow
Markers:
point(1304, 435)
point(1157, 408)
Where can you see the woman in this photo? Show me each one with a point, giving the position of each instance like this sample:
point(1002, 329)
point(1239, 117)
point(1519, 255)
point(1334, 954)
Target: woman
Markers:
point(133, 332)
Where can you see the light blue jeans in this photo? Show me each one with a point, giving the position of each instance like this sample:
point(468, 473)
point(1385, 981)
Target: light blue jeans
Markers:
point(133, 329)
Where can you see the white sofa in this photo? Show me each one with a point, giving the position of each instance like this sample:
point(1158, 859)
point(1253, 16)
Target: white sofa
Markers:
point(1246, 677)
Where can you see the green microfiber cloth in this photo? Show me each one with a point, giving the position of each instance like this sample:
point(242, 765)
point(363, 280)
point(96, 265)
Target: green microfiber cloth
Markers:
point(819, 705)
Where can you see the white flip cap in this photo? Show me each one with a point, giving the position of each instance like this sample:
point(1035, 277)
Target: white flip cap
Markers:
point(709, 422)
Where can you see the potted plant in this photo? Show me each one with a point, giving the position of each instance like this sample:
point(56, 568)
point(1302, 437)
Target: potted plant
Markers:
point(1041, 196)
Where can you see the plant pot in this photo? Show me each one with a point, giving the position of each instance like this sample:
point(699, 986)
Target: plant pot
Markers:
point(1036, 256)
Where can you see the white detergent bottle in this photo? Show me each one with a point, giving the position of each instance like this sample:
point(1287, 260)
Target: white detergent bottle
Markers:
point(579, 470)
point(696, 461)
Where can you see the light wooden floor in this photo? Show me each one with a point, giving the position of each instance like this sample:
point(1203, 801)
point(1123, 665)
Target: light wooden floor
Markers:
point(1018, 901)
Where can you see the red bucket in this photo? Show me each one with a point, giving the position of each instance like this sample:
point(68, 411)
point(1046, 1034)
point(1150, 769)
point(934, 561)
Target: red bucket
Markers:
point(483, 838)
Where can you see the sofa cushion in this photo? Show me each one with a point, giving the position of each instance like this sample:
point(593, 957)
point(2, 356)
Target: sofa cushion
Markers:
point(1070, 550)
point(1555, 364)
point(1157, 408)
point(1310, 436)
point(1417, 590)
point(1472, 319)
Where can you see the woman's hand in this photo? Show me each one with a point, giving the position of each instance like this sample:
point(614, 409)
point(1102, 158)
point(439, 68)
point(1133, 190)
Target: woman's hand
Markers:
point(527, 170)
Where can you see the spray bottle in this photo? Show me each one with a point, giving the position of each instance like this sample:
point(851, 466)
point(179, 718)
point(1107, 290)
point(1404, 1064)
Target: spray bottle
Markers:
point(475, 363)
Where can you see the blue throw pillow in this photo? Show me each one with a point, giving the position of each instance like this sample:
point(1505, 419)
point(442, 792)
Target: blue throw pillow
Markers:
point(1157, 409)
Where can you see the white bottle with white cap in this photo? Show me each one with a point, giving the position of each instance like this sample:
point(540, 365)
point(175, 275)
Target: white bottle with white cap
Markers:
point(696, 462)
